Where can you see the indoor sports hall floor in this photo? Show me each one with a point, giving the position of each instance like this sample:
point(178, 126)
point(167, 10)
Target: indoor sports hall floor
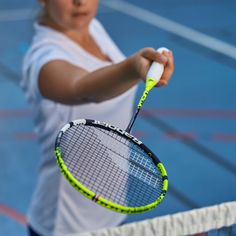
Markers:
point(190, 125)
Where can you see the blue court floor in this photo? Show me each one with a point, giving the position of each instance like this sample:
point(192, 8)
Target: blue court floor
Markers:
point(190, 125)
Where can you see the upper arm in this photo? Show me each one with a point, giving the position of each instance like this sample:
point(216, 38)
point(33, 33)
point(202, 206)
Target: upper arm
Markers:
point(56, 81)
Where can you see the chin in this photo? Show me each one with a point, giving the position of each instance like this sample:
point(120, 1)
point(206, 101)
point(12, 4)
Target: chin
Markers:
point(80, 25)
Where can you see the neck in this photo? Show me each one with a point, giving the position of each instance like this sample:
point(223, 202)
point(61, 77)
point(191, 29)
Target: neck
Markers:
point(80, 36)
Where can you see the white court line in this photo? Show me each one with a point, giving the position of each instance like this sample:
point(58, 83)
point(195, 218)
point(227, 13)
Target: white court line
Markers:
point(172, 27)
point(18, 14)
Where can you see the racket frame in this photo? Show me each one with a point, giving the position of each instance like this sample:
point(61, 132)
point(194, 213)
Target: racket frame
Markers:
point(90, 194)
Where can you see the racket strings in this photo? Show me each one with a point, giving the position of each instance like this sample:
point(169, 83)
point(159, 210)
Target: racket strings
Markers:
point(105, 185)
point(111, 166)
point(111, 189)
point(136, 158)
point(69, 152)
point(135, 155)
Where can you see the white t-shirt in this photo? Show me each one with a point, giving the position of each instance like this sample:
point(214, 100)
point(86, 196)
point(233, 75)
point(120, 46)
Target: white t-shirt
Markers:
point(56, 208)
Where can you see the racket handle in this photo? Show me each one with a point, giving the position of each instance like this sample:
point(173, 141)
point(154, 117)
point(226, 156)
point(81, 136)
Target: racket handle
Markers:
point(152, 78)
point(155, 71)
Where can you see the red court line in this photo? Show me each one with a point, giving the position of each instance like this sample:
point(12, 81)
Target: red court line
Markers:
point(11, 213)
point(219, 137)
point(225, 137)
point(26, 136)
point(8, 113)
point(181, 136)
point(11, 113)
point(190, 113)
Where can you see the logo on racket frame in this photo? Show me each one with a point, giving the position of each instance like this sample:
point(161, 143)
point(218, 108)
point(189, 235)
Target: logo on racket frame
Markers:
point(122, 132)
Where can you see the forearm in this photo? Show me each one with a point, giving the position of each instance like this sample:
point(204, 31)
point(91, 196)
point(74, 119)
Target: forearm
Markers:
point(105, 83)
point(65, 83)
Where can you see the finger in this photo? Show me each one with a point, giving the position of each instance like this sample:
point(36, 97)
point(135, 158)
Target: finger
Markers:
point(152, 55)
point(168, 71)
point(162, 83)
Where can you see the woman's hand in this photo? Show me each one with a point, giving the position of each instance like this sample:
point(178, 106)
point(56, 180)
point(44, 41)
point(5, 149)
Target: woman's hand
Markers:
point(142, 60)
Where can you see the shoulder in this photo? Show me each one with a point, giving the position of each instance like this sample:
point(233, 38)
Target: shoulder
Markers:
point(47, 45)
point(45, 40)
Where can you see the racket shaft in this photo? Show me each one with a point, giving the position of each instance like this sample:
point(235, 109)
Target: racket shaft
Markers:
point(153, 77)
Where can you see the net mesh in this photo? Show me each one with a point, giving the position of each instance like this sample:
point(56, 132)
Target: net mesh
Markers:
point(212, 221)
point(111, 165)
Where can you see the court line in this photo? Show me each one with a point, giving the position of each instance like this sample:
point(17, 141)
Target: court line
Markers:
point(15, 113)
point(172, 27)
point(217, 137)
point(194, 145)
point(26, 136)
point(180, 136)
point(213, 114)
point(173, 113)
point(18, 14)
point(224, 137)
point(13, 214)
point(170, 112)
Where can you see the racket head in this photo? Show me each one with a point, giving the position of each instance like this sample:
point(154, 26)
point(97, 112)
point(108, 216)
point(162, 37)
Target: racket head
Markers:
point(74, 157)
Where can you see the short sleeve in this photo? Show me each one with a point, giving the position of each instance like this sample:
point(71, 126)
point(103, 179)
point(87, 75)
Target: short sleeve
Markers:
point(34, 60)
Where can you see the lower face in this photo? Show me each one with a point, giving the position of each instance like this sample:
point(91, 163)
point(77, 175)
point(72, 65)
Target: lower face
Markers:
point(65, 15)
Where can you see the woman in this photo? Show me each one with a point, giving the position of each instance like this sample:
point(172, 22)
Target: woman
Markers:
point(74, 70)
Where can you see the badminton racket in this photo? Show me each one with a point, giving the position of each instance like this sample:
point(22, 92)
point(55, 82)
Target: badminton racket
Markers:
point(109, 165)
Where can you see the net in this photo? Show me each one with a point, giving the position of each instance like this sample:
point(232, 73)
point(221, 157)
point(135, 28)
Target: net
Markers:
point(211, 221)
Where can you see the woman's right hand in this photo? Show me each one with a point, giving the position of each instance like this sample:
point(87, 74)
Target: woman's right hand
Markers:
point(142, 60)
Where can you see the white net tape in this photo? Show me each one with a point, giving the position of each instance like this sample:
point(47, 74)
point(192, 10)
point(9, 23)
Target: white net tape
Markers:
point(184, 223)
